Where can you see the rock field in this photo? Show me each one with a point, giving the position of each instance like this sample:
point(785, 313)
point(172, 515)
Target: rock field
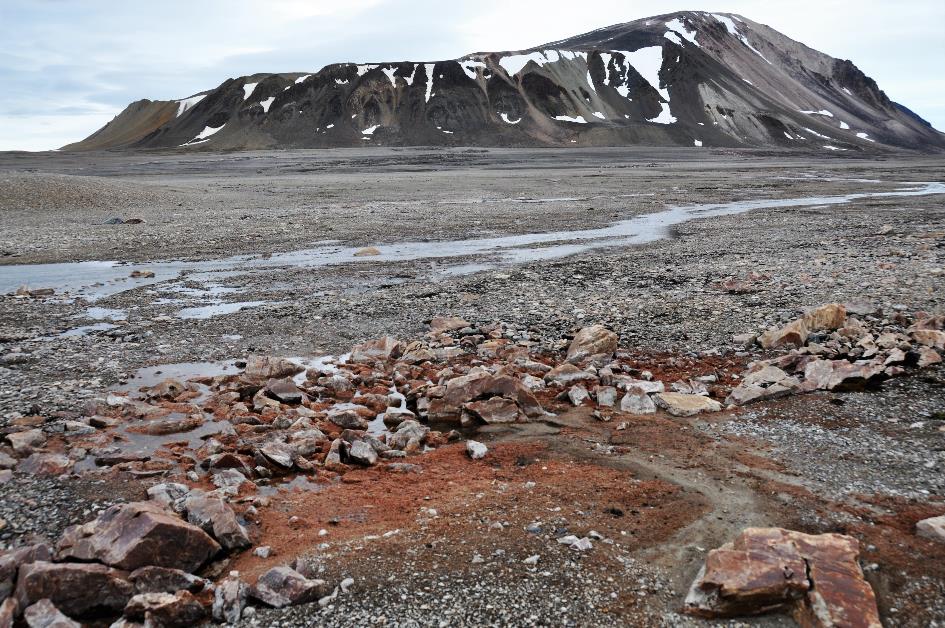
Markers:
point(740, 421)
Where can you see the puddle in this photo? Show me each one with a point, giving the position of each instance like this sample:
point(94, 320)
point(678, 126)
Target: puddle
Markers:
point(104, 313)
point(93, 280)
point(217, 309)
point(150, 443)
point(152, 375)
point(85, 330)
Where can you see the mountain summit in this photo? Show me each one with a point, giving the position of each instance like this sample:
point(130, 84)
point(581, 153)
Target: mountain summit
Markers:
point(682, 79)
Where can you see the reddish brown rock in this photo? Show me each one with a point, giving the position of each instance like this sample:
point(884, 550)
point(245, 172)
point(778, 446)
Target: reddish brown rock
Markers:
point(932, 529)
point(447, 323)
point(826, 317)
point(165, 580)
point(261, 368)
point(215, 517)
point(167, 389)
point(77, 589)
point(591, 342)
point(229, 599)
point(568, 374)
point(793, 334)
point(11, 561)
point(283, 586)
point(165, 610)
point(482, 385)
point(839, 375)
point(681, 404)
point(382, 349)
point(45, 464)
point(136, 535)
point(26, 441)
point(169, 426)
point(816, 577)
point(9, 610)
point(493, 410)
point(930, 338)
point(928, 357)
point(44, 614)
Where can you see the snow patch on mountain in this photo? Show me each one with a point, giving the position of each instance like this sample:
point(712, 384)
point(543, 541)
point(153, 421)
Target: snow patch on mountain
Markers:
point(648, 62)
point(677, 27)
point(265, 104)
point(665, 117)
point(204, 135)
point(733, 30)
point(429, 68)
point(822, 112)
point(469, 67)
point(188, 103)
point(576, 120)
point(248, 90)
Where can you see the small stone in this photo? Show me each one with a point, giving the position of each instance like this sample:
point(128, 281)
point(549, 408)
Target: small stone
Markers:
point(578, 395)
point(679, 404)
point(282, 586)
point(476, 450)
point(368, 251)
point(591, 342)
point(263, 551)
point(637, 402)
point(933, 529)
point(362, 453)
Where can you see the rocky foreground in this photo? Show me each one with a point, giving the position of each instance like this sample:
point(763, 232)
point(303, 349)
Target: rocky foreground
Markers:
point(213, 538)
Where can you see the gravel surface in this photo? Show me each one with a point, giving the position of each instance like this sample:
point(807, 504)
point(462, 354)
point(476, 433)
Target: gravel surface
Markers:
point(880, 450)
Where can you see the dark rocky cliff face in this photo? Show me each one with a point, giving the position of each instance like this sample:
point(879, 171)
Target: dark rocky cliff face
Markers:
point(692, 79)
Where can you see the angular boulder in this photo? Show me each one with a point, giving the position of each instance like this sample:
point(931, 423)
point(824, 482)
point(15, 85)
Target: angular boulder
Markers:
point(826, 317)
point(382, 349)
point(447, 323)
point(25, 442)
point(77, 589)
point(215, 517)
point(45, 464)
point(930, 338)
point(680, 404)
point(840, 375)
point(167, 610)
point(932, 529)
point(44, 614)
point(493, 410)
point(568, 374)
point(816, 577)
point(482, 385)
point(591, 342)
point(282, 586)
point(261, 368)
point(793, 334)
point(637, 402)
point(229, 599)
point(362, 453)
point(11, 561)
point(769, 382)
point(9, 610)
point(138, 534)
point(165, 580)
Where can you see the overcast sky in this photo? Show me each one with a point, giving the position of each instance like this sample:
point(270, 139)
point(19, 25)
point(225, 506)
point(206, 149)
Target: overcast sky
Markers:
point(68, 66)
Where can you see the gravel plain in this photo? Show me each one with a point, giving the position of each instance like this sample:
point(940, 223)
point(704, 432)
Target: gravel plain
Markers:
point(867, 462)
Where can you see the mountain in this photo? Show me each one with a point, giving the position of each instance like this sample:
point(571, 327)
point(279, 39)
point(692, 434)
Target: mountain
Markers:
point(682, 79)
